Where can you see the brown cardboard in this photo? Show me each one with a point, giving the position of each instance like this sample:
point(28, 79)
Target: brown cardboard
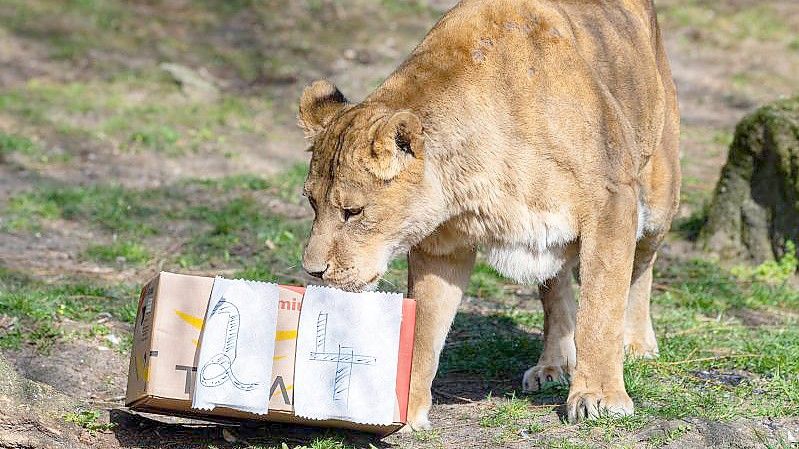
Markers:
point(165, 346)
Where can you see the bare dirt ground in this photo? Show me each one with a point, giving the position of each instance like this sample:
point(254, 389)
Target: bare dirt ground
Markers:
point(727, 58)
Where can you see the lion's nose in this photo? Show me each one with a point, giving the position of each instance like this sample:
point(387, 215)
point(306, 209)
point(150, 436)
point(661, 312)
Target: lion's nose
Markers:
point(318, 274)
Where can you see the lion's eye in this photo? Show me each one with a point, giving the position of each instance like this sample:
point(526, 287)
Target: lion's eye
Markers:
point(352, 212)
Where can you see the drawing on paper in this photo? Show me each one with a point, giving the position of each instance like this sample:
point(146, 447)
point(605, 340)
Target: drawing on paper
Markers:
point(344, 357)
point(219, 369)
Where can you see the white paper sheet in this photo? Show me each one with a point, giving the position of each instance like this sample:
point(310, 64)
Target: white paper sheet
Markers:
point(237, 346)
point(347, 349)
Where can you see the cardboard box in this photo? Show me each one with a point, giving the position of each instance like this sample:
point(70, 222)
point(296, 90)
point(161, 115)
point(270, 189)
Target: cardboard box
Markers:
point(165, 346)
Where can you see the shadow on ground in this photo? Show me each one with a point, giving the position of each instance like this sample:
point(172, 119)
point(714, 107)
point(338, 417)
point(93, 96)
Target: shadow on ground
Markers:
point(487, 355)
point(137, 431)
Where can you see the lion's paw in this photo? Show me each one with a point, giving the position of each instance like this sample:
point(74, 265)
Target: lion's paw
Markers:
point(583, 404)
point(535, 377)
point(641, 350)
point(418, 421)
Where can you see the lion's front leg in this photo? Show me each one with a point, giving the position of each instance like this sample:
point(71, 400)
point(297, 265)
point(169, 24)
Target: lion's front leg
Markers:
point(607, 248)
point(437, 283)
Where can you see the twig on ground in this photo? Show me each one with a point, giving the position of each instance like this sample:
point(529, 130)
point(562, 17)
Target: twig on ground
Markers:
point(456, 426)
point(691, 330)
point(665, 288)
point(452, 396)
point(473, 381)
point(710, 359)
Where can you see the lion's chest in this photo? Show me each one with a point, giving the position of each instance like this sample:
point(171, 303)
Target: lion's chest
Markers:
point(526, 246)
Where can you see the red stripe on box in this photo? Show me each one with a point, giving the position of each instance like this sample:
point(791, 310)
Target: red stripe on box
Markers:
point(405, 356)
point(295, 289)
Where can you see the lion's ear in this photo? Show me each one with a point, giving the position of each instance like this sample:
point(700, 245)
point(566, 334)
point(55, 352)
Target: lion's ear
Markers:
point(319, 103)
point(398, 142)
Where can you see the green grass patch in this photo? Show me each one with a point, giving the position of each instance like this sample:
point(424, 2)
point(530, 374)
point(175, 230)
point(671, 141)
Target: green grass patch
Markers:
point(288, 184)
point(30, 150)
point(25, 213)
point(230, 183)
point(513, 416)
point(771, 271)
point(431, 438)
point(40, 307)
point(71, 29)
point(12, 143)
point(490, 345)
point(110, 207)
point(226, 222)
point(89, 420)
point(704, 287)
point(712, 365)
point(157, 118)
point(243, 235)
point(119, 251)
point(565, 443)
point(727, 24)
point(160, 138)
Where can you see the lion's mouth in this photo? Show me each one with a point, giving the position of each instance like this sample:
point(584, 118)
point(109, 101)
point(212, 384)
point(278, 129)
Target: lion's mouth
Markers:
point(355, 285)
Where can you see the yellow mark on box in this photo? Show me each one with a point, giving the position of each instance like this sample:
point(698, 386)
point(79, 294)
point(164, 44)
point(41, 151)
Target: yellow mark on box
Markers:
point(286, 335)
point(193, 321)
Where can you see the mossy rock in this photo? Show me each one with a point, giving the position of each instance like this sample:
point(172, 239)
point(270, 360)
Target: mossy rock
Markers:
point(755, 209)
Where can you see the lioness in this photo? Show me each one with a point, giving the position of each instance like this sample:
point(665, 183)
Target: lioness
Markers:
point(544, 132)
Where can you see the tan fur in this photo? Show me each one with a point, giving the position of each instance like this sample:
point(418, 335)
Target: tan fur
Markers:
point(544, 132)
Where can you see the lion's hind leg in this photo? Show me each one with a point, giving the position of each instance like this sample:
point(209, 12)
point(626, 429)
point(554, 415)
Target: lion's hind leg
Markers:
point(559, 354)
point(639, 334)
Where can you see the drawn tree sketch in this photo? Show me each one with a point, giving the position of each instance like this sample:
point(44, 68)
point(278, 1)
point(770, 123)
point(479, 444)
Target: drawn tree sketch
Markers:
point(344, 357)
point(219, 369)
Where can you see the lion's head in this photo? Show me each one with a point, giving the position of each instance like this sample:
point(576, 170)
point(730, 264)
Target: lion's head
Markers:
point(366, 184)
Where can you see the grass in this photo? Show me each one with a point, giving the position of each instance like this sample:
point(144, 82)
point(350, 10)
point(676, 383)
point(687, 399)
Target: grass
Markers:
point(513, 416)
point(30, 150)
point(120, 251)
point(265, 246)
point(26, 213)
point(668, 436)
point(40, 307)
point(491, 345)
point(89, 420)
point(727, 24)
point(158, 118)
point(229, 226)
point(109, 207)
point(10, 143)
